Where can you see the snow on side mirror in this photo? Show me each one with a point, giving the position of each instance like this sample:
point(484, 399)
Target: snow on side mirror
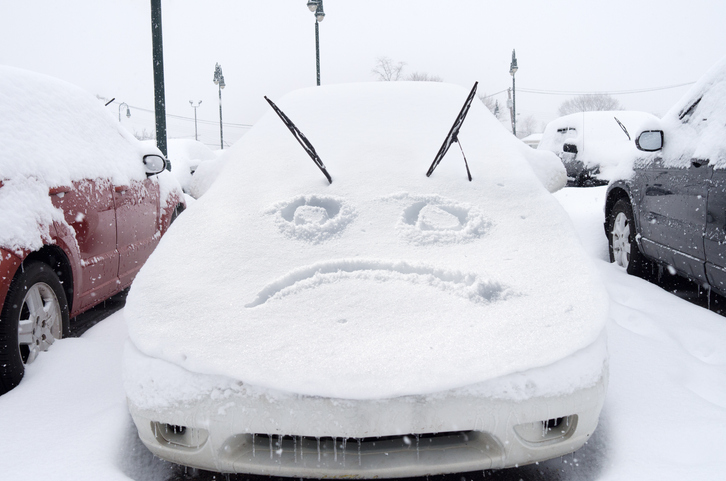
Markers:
point(154, 164)
point(650, 140)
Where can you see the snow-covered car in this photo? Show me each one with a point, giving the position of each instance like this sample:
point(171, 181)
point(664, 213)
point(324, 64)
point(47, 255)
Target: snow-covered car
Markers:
point(593, 144)
point(668, 207)
point(82, 205)
point(185, 156)
point(385, 324)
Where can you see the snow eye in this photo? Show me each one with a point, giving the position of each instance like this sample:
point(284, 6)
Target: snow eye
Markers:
point(435, 220)
point(312, 218)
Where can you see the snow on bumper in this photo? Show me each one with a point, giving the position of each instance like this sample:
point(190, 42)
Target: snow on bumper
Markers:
point(241, 428)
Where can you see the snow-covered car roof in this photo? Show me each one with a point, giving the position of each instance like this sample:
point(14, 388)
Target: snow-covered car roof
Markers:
point(600, 140)
point(384, 282)
point(53, 133)
point(58, 133)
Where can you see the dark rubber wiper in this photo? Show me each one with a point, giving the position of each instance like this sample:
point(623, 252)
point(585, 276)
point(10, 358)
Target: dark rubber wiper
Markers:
point(689, 111)
point(453, 135)
point(622, 127)
point(301, 138)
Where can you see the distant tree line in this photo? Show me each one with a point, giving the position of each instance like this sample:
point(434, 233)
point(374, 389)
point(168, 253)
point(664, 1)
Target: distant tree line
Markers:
point(589, 103)
point(388, 70)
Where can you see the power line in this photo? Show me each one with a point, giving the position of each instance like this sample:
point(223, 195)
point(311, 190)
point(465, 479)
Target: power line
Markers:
point(191, 119)
point(605, 92)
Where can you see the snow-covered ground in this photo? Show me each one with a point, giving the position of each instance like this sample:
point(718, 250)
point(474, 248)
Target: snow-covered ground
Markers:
point(664, 416)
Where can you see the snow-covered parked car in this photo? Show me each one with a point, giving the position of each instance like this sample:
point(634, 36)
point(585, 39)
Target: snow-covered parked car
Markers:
point(185, 156)
point(667, 208)
point(593, 144)
point(385, 324)
point(82, 205)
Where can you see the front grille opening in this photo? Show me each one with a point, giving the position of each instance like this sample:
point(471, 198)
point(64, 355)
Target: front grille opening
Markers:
point(553, 423)
point(274, 445)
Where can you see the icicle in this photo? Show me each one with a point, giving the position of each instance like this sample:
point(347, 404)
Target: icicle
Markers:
point(253, 444)
point(359, 443)
point(345, 441)
point(318, 440)
point(417, 449)
point(294, 448)
point(271, 450)
point(335, 449)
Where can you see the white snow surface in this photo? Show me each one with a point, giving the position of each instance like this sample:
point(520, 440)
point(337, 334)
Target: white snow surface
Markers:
point(385, 282)
point(599, 139)
point(666, 357)
point(51, 134)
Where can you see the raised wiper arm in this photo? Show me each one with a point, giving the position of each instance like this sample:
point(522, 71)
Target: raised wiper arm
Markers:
point(304, 142)
point(622, 127)
point(454, 135)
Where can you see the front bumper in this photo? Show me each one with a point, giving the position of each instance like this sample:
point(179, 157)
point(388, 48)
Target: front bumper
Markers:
point(302, 436)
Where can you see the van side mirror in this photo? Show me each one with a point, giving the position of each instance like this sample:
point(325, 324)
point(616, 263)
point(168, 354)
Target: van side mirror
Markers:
point(569, 148)
point(650, 140)
point(154, 164)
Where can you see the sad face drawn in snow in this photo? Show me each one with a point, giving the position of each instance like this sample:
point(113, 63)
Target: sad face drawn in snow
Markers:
point(425, 220)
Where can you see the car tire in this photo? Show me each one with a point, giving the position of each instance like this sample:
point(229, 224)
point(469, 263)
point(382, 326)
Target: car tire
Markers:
point(34, 315)
point(624, 250)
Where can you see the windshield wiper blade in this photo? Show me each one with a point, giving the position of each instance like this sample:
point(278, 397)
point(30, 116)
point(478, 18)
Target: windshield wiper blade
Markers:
point(453, 135)
point(622, 127)
point(304, 142)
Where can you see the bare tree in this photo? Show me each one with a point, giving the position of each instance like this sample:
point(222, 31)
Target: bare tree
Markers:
point(488, 102)
point(526, 127)
point(144, 134)
point(388, 70)
point(424, 77)
point(588, 103)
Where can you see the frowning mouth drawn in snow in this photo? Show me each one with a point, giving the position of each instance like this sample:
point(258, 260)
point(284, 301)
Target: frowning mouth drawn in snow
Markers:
point(467, 285)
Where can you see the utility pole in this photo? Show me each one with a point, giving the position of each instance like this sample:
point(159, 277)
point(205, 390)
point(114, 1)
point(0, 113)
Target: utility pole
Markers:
point(512, 70)
point(159, 96)
point(195, 117)
point(219, 81)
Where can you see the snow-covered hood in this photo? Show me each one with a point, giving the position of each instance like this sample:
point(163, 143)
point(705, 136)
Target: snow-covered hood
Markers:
point(384, 283)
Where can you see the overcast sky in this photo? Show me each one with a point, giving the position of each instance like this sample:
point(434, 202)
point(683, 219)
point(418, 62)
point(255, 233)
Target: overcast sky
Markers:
point(268, 48)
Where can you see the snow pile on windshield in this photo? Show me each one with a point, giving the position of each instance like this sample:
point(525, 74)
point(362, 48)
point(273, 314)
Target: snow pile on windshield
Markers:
point(695, 127)
point(599, 138)
point(53, 133)
point(384, 283)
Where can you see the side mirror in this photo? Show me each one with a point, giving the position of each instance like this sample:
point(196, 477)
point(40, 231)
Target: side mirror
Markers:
point(569, 148)
point(650, 140)
point(154, 164)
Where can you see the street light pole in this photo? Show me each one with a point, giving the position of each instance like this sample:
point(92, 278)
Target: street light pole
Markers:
point(195, 117)
point(316, 6)
point(128, 112)
point(512, 70)
point(159, 97)
point(219, 80)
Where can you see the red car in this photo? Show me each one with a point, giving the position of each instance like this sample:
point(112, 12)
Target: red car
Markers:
point(82, 206)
